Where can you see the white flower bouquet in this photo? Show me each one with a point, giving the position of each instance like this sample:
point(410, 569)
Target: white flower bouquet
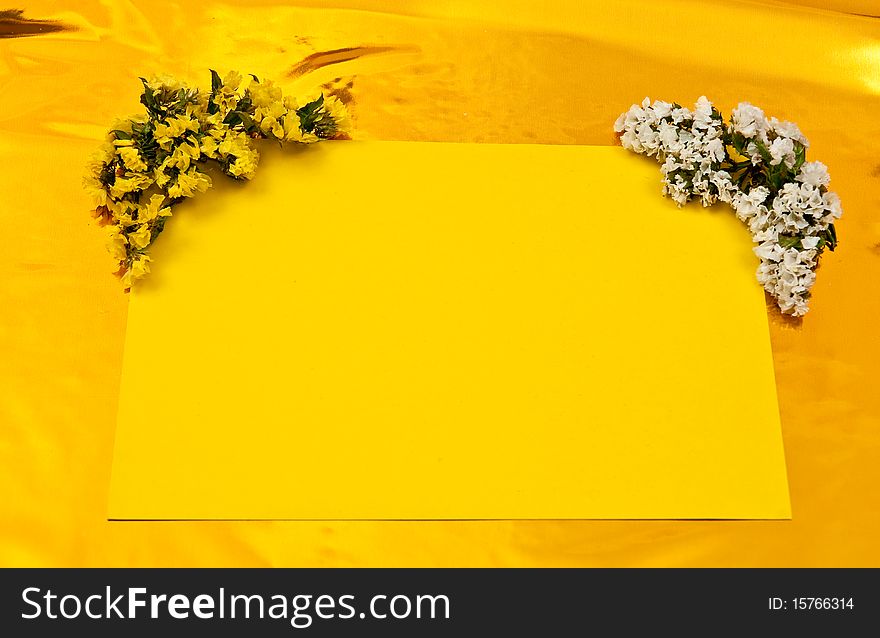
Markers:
point(758, 166)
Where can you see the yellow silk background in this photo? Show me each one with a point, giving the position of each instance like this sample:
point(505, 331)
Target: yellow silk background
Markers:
point(509, 72)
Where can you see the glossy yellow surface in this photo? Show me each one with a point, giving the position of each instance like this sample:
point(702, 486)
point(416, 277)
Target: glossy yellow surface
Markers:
point(454, 72)
point(455, 342)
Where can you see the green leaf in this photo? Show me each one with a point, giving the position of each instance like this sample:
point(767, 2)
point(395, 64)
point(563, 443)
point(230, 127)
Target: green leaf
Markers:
point(158, 227)
point(314, 119)
point(800, 158)
point(121, 135)
point(789, 241)
point(108, 174)
point(245, 104)
point(762, 150)
point(246, 120)
point(148, 98)
point(831, 237)
point(216, 83)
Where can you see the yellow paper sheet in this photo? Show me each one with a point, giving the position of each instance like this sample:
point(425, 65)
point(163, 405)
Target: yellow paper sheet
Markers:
point(448, 331)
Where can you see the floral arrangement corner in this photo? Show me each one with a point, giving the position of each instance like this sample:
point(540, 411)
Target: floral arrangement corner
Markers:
point(150, 162)
point(758, 166)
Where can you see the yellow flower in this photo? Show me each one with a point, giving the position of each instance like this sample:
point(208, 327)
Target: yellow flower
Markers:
point(264, 93)
point(226, 103)
point(212, 121)
point(132, 158)
point(197, 111)
point(128, 184)
point(236, 144)
point(277, 110)
point(165, 134)
point(292, 132)
point(124, 124)
point(246, 82)
point(104, 155)
point(189, 183)
point(227, 146)
point(140, 238)
point(162, 178)
point(122, 211)
point(184, 154)
point(186, 138)
point(209, 147)
point(153, 209)
point(339, 113)
point(232, 89)
point(269, 118)
point(273, 126)
point(116, 244)
point(231, 81)
point(158, 82)
point(245, 165)
point(140, 266)
point(96, 190)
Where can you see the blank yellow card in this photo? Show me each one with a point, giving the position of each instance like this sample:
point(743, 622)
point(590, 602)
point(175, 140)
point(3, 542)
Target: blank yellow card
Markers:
point(448, 331)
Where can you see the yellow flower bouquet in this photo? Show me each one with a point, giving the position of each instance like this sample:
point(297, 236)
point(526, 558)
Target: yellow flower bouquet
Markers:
point(151, 162)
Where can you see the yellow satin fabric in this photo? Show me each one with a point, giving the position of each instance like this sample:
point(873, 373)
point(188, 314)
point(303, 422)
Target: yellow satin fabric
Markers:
point(428, 71)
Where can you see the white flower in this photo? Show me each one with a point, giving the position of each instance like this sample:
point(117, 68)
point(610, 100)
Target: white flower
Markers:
point(626, 119)
point(790, 284)
point(679, 115)
point(670, 165)
point(630, 141)
point(669, 137)
point(662, 109)
point(788, 129)
point(751, 203)
point(722, 183)
point(676, 188)
point(812, 198)
point(814, 174)
point(649, 138)
point(754, 154)
point(765, 233)
point(782, 149)
point(716, 149)
point(748, 120)
point(832, 206)
point(703, 113)
point(691, 147)
point(767, 275)
point(770, 251)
